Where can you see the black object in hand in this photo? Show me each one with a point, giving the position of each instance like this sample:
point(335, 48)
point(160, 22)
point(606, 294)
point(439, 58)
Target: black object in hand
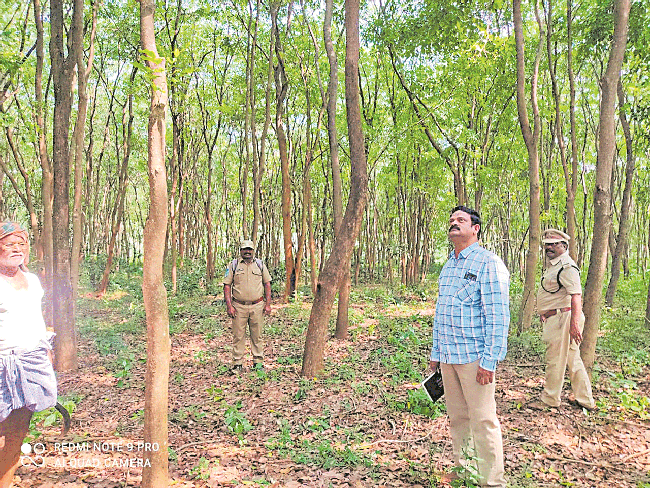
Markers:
point(433, 386)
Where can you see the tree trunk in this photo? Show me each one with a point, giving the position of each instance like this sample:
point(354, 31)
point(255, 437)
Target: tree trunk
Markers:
point(155, 296)
point(647, 307)
point(47, 177)
point(176, 196)
point(332, 274)
point(62, 74)
point(25, 196)
point(311, 241)
point(342, 315)
point(83, 73)
point(281, 87)
point(123, 178)
point(626, 204)
point(531, 138)
point(558, 129)
point(571, 226)
point(342, 320)
point(249, 125)
point(602, 196)
point(261, 158)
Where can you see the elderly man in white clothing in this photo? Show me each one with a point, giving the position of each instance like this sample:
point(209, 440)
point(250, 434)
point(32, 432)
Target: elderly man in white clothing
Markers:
point(27, 381)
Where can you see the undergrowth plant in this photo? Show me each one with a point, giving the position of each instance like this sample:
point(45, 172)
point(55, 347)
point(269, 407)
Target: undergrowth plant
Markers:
point(468, 475)
point(236, 421)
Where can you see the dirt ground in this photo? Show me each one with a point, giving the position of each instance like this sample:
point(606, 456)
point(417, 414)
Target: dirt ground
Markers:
point(563, 446)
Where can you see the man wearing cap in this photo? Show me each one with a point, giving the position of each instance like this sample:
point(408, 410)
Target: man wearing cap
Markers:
point(247, 292)
point(559, 303)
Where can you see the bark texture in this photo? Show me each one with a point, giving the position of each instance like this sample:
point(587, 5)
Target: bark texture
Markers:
point(531, 139)
point(571, 226)
point(281, 87)
point(155, 295)
point(83, 74)
point(602, 194)
point(342, 318)
point(63, 66)
point(335, 266)
point(626, 204)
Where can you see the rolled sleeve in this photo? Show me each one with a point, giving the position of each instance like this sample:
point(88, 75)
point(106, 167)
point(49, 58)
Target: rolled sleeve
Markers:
point(228, 276)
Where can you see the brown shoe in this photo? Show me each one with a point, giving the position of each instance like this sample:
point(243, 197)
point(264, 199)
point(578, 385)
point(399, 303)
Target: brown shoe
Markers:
point(537, 405)
point(591, 408)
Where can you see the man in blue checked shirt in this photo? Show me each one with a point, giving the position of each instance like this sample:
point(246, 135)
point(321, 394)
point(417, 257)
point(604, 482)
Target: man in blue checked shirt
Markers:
point(470, 332)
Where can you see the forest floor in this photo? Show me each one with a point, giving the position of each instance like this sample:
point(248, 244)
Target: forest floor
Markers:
point(363, 423)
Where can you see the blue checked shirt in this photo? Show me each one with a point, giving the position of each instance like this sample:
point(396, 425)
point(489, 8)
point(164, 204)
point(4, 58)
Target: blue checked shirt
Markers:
point(472, 312)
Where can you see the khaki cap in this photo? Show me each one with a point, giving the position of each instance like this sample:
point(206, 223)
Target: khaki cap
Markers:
point(247, 244)
point(549, 236)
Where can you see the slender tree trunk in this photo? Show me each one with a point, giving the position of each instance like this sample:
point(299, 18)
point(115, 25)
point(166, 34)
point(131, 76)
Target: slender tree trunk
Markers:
point(647, 307)
point(531, 139)
point(252, 100)
point(302, 235)
point(123, 178)
point(281, 87)
point(261, 158)
point(250, 130)
point(626, 204)
point(573, 188)
point(312, 242)
point(63, 72)
point(25, 196)
point(83, 73)
point(176, 195)
point(46, 167)
point(210, 270)
point(153, 289)
point(558, 129)
point(342, 317)
point(602, 196)
point(332, 274)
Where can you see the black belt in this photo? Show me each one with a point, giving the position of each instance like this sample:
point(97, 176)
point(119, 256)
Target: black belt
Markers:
point(242, 302)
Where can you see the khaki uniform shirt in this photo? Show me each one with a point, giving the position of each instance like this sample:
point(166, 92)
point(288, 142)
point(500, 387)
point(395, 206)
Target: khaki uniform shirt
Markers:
point(247, 280)
point(570, 279)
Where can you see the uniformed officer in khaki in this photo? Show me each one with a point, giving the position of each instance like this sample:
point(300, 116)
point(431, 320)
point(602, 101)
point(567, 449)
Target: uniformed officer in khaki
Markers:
point(247, 291)
point(559, 302)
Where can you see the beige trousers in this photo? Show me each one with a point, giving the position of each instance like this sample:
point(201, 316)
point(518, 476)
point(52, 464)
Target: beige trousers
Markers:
point(253, 316)
point(473, 422)
point(562, 352)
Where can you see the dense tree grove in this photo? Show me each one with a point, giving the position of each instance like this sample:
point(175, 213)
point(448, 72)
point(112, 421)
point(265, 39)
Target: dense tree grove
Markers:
point(248, 153)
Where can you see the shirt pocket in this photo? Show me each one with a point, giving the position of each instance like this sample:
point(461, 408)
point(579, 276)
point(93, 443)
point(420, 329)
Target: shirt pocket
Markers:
point(239, 271)
point(256, 271)
point(468, 292)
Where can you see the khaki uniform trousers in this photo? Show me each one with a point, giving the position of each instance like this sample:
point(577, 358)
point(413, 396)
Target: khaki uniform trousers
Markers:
point(253, 316)
point(562, 352)
point(473, 416)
